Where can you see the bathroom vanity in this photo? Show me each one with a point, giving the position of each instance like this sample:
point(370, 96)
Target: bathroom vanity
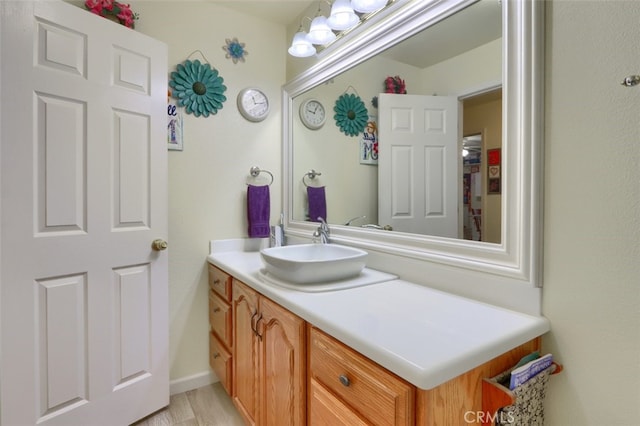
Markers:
point(388, 353)
point(398, 351)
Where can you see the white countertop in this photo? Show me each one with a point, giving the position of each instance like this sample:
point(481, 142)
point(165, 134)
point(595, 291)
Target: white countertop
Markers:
point(423, 335)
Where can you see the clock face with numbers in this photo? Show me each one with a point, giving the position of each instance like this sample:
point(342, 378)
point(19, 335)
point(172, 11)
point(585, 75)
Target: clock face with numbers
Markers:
point(253, 104)
point(312, 114)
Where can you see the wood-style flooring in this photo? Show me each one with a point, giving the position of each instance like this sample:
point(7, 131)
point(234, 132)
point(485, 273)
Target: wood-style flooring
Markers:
point(206, 406)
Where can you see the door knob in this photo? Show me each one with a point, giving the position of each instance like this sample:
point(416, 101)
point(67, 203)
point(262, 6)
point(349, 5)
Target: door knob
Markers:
point(159, 244)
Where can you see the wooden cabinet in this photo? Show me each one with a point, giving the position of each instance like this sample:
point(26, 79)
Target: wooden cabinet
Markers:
point(362, 392)
point(279, 370)
point(220, 322)
point(459, 401)
point(269, 366)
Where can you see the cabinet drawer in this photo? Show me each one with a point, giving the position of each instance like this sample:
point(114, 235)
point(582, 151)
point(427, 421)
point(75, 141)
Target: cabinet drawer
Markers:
point(220, 282)
point(326, 409)
point(373, 392)
point(220, 318)
point(220, 361)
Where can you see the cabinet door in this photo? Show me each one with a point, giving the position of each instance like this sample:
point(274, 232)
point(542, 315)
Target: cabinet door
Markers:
point(245, 352)
point(282, 366)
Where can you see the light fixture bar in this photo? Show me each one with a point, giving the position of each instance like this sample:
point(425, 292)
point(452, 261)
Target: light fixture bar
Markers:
point(342, 19)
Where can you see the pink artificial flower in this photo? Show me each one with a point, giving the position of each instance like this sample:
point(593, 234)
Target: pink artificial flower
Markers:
point(126, 15)
point(94, 6)
point(107, 4)
point(112, 8)
point(125, 12)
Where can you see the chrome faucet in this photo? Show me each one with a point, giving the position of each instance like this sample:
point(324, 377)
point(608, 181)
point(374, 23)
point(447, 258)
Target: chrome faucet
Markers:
point(374, 226)
point(353, 219)
point(322, 232)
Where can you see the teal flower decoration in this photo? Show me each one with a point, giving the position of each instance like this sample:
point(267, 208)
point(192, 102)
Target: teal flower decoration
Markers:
point(350, 114)
point(198, 88)
point(235, 50)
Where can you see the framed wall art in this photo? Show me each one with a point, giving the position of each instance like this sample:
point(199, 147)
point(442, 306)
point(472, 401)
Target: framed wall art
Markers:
point(174, 126)
point(494, 178)
point(369, 142)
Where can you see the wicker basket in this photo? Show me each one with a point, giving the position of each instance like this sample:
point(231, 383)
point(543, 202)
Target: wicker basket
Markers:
point(522, 406)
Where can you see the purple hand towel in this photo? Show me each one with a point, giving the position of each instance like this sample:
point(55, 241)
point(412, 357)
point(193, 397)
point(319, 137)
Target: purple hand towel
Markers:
point(317, 203)
point(258, 210)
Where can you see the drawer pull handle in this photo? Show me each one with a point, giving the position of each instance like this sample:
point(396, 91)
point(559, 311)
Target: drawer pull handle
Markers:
point(216, 310)
point(216, 355)
point(344, 380)
point(216, 282)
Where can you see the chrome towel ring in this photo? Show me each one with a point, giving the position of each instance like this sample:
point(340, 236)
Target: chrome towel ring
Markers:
point(311, 174)
point(255, 171)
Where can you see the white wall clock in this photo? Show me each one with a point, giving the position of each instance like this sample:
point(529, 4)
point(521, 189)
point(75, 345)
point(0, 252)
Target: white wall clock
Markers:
point(312, 114)
point(253, 104)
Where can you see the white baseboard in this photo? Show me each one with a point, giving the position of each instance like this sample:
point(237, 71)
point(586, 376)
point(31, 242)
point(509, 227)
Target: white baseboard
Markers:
point(196, 381)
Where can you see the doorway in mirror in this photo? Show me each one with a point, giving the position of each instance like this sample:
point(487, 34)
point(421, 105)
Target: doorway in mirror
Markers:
point(481, 213)
point(472, 187)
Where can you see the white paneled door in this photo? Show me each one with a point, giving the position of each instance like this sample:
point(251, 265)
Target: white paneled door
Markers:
point(418, 164)
point(83, 295)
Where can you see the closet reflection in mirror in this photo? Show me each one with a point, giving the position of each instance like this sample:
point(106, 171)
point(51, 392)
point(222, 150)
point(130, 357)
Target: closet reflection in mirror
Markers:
point(418, 184)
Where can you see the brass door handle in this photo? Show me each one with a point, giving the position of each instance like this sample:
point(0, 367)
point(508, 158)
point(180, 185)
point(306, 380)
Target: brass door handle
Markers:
point(159, 244)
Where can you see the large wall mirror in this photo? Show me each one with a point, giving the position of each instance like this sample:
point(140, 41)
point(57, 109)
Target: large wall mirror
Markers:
point(455, 177)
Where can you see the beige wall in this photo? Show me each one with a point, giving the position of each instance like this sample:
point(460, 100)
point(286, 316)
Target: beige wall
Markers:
point(207, 189)
point(591, 292)
point(592, 229)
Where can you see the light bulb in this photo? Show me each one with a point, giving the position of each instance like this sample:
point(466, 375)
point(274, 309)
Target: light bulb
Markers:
point(320, 32)
point(367, 6)
point(342, 16)
point(300, 46)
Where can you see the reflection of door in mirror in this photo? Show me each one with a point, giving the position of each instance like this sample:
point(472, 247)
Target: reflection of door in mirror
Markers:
point(418, 163)
point(482, 128)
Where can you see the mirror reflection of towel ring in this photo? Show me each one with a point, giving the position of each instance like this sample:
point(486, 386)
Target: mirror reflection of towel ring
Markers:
point(311, 174)
point(255, 171)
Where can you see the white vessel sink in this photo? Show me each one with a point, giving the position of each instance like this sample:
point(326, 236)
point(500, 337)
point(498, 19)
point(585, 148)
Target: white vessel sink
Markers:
point(313, 263)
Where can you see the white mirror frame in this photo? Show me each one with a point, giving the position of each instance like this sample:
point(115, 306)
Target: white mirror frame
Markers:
point(517, 260)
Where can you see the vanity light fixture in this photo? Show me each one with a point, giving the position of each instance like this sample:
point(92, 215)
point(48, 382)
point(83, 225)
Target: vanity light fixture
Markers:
point(325, 30)
point(368, 6)
point(342, 16)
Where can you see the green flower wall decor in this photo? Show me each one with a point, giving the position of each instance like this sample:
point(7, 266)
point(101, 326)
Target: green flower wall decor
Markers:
point(350, 114)
point(198, 88)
